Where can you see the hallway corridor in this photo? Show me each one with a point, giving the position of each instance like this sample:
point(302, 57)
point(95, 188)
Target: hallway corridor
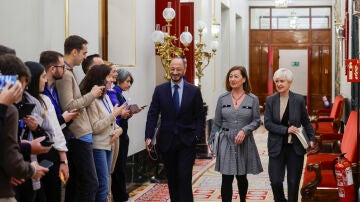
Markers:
point(207, 182)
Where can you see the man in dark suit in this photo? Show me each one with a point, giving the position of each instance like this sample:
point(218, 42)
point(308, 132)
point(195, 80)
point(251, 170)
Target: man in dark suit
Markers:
point(182, 119)
point(285, 113)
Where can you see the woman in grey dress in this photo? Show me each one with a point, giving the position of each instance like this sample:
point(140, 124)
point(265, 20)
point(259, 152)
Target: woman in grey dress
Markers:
point(237, 115)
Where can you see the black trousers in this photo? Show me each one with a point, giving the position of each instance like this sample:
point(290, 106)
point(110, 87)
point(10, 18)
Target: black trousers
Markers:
point(83, 183)
point(293, 163)
point(179, 161)
point(51, 183)
point(227, 189)
point(118, 177)
point(25, 192)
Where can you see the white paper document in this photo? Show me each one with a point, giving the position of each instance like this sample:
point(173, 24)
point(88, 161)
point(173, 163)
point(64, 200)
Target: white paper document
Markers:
point(302, 137)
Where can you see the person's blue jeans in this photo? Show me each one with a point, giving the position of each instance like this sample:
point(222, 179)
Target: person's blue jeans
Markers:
point(102, 160)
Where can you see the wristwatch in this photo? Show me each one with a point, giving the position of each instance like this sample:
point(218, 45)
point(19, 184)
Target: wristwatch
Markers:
point(64, 162)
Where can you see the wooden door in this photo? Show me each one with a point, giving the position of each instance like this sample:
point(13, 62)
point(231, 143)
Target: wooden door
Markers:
point(320, 75)
point(258, 71)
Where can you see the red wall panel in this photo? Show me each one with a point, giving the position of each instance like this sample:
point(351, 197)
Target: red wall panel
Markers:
point(160, 5)
point(187, 19)
point(184, 17)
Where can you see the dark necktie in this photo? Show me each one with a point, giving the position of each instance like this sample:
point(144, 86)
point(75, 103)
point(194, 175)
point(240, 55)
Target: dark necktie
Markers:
point(176, 98)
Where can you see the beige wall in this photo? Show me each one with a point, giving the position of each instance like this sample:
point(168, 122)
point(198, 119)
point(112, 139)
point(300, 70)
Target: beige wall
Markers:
point(229, 53)
point(32, 26)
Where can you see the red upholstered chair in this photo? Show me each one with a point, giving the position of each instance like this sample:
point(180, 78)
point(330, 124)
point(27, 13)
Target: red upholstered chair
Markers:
point(318, 180)
point(331, 123)
point(324, 125)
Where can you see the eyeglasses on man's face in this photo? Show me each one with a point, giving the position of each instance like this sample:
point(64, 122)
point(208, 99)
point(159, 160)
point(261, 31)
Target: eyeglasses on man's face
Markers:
point(60, 66)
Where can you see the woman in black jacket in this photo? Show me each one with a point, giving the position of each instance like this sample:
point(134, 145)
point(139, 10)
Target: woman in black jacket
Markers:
point(285, 116)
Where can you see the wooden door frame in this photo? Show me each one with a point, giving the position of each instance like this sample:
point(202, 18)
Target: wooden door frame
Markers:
point(276, 58)
point(104, 29)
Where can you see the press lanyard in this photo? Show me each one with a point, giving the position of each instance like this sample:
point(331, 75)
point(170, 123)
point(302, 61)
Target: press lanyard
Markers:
point(22, 128)
point(106, 104)
point(54, 95)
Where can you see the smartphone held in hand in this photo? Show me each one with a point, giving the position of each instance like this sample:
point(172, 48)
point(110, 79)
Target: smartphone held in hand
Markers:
point(25, 109)
point(46, 143)
point(46, 163)
point(4, 79)
point(78, 110)
point(135, 108)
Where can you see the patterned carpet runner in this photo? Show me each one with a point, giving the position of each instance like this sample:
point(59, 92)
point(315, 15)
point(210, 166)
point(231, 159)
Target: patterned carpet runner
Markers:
point(207, 182)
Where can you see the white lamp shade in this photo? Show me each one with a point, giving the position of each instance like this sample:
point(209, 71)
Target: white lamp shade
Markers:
point(214, 45)
point(157, 36)
point(186, 38)
point(201, 25)
point(169, 13)
point(215, 29)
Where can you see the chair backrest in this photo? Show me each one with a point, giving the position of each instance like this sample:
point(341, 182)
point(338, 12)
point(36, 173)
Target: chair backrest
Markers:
point(349, 139)
point(337, 108)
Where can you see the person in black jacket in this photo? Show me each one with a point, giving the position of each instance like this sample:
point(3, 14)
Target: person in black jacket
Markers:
point(13, 169)
point(182, 121)
point(285, 114)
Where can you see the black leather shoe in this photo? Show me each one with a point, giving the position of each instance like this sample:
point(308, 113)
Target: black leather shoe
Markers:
point(154, 180)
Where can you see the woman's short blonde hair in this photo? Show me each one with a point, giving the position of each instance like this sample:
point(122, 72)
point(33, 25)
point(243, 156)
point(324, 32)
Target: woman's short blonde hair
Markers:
point(283, 73)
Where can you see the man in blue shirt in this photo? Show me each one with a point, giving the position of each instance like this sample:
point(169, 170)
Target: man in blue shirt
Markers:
point(55, 68)
point(182, 120)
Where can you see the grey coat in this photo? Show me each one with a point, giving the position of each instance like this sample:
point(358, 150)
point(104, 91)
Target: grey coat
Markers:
point(237, 159)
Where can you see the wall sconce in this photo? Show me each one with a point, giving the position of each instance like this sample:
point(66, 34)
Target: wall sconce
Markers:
point(339, 30)
point(215, 28)
point(215, 25)
point(164, 42)
point(202, 57)
point(340, 52)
